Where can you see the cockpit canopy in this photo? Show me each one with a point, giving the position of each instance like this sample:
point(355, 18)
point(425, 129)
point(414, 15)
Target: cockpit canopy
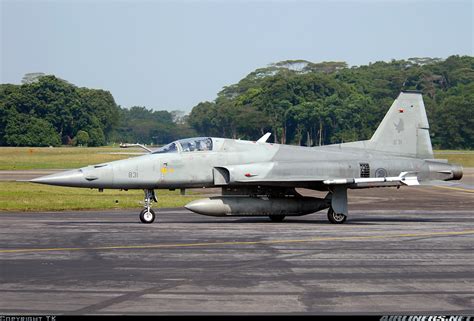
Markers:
point(187, 145)
point(196, 144)
point(170, 148)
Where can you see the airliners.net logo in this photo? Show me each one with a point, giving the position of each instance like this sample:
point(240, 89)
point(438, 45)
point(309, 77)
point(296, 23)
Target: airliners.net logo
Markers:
point(426, 318)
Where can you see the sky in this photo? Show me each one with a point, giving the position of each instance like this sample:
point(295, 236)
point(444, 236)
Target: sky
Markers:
point(174, 54)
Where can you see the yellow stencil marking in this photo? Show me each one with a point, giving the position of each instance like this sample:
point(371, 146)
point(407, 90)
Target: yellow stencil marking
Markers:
point(165, 170)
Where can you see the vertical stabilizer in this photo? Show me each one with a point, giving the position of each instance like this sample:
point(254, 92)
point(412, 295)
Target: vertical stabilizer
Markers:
point(404, 130)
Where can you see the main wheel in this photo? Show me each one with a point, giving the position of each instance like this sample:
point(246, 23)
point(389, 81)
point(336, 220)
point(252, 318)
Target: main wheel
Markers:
point(336, 218)
point(277, 218)
point(146, 216)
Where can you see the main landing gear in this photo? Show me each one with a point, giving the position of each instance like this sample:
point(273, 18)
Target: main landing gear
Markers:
point(147, 215)
point(338, 211)
point(336, 218)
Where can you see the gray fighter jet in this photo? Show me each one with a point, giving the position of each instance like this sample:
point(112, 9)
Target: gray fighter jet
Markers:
point(260, 179)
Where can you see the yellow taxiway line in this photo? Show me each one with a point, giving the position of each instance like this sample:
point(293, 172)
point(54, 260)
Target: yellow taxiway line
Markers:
point(183, 245)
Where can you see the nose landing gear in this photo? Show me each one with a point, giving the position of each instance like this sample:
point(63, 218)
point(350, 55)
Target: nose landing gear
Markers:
point(147, 215)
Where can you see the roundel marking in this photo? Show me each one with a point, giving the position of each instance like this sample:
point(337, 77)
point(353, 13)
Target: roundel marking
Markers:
point(381, 172)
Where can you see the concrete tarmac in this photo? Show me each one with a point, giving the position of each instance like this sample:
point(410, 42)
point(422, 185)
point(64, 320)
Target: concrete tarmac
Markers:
point(407, 251)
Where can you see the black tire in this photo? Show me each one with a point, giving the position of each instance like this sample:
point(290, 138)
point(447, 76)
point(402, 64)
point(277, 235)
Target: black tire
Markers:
point(147, 217)
point(277, 218)
point(336, 218)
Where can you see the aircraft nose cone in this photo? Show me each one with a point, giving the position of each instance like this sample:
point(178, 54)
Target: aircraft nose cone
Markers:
point(68, 178)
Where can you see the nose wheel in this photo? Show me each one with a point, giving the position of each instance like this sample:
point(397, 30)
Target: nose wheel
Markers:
point(147, 215)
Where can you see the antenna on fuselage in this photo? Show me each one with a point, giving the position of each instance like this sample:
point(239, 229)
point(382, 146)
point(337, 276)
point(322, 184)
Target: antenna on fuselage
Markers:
point(264, 138)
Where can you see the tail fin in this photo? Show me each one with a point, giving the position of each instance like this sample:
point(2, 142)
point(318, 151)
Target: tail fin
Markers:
point(404, 130)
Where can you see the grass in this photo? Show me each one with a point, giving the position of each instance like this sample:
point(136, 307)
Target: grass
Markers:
point(23, 196)
point(22, 158)
point(463, 157)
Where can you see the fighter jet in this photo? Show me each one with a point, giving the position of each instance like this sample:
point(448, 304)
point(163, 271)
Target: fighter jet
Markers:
point(260, 179)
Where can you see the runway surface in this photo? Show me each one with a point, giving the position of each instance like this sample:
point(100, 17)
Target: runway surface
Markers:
point(26, 175)
point(402, 251)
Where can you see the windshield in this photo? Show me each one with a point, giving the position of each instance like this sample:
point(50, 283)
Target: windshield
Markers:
point(170, 148)
point(196, 144)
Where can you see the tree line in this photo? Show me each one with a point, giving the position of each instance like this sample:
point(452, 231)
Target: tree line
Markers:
point(49, 111)
point(310, 104)
point(300, 102)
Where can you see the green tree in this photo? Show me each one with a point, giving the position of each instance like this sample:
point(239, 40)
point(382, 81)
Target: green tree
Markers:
point(456, 114)
point(81, 139)
point(322, 103)
point(62, 105)
point(25, 130)
point(102, 105)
